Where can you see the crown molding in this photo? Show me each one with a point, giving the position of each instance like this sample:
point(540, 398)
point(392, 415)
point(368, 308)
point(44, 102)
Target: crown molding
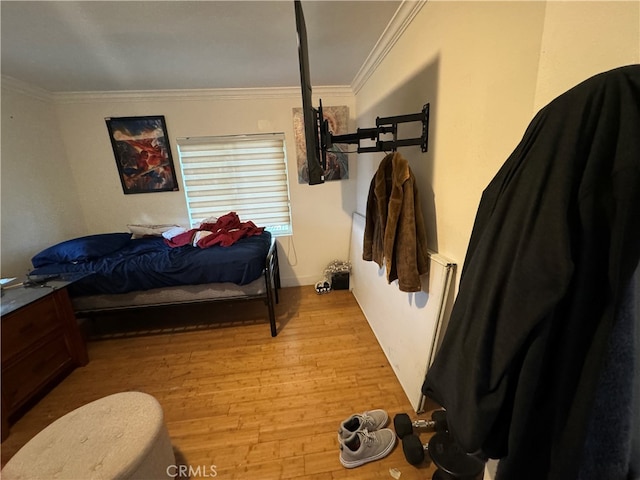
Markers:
point(194, 94)
point(18, 86)
point(403, 17)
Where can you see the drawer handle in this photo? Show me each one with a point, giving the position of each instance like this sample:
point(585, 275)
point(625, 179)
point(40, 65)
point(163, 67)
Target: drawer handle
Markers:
point(26, 328)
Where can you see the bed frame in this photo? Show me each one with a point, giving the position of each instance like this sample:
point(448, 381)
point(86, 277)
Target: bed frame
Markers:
point(265, 287)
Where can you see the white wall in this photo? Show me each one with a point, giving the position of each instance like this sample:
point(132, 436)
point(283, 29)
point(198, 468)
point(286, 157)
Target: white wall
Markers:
point(85, 179)
point(582, 39)
point(475, 63)
point(485, 68)
point(40, 204)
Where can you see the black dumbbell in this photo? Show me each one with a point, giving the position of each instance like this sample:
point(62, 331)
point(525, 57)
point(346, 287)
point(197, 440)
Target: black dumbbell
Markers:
point(450, 459)
point(404, 426)
point(413, 449)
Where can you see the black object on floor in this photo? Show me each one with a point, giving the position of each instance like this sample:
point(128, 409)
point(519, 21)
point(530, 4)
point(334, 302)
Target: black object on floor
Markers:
point(452, 462)
point(404, 426)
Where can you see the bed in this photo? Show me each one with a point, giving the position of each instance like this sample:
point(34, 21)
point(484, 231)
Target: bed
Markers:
point(115, 271)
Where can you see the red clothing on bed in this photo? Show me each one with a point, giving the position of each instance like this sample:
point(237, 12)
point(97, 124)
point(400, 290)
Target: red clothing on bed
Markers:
point(227, 230)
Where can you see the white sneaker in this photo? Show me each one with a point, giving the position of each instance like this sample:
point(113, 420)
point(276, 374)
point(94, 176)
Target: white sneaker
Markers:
point(364, 446)
point(371, 420)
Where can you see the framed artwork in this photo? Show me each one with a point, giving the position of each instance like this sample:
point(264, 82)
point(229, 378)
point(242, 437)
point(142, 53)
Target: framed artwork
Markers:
point(143, 155)
point(337, 167)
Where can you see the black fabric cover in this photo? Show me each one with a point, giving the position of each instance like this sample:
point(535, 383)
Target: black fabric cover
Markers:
point(611, 446)
point(555, 241)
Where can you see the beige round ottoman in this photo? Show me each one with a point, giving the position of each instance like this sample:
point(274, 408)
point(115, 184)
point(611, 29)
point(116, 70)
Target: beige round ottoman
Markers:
point(120, 436)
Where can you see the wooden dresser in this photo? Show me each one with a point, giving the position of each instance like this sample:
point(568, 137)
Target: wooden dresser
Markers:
point(41, 344)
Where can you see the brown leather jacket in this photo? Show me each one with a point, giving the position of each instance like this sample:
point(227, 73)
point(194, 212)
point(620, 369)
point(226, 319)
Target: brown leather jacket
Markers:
point(395, 233)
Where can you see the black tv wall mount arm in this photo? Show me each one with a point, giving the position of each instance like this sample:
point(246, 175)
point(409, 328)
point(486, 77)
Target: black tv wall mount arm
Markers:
point(384, 126)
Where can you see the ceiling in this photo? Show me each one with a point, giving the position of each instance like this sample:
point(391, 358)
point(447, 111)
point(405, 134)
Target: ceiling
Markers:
point(67, 46)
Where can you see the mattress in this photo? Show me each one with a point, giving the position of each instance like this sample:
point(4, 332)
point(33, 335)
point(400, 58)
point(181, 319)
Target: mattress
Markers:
point(149, 263)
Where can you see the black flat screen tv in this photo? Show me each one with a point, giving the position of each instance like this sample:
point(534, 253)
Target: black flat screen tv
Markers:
point(312, 117)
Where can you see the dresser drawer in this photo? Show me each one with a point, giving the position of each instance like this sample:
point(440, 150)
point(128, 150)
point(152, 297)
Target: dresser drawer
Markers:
point(41, 343)
point(24, 377)
point(21, 329)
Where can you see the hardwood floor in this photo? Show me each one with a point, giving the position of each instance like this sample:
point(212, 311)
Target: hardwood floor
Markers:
point(253, 406)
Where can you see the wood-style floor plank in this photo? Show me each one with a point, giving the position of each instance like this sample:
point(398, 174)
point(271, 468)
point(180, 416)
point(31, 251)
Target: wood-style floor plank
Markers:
point(236, 400)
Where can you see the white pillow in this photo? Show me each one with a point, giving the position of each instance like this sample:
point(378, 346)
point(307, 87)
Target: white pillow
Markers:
point(145, 230)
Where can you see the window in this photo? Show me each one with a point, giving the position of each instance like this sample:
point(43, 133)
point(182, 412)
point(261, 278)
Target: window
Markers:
point(246, 174)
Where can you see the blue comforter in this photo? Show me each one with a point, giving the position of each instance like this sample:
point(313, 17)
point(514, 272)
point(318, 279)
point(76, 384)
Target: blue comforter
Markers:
point(146, 263)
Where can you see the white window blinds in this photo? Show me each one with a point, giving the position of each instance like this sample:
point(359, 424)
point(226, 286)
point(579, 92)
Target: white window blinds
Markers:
point(246, 174)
